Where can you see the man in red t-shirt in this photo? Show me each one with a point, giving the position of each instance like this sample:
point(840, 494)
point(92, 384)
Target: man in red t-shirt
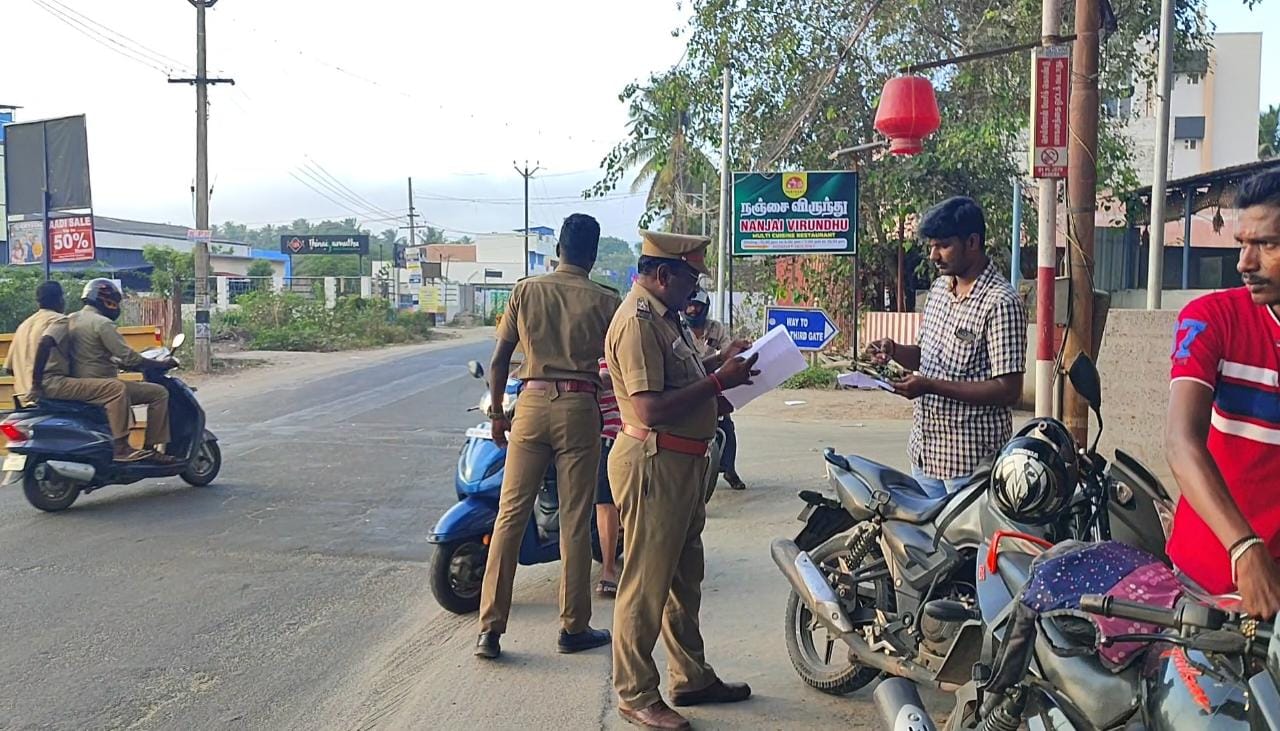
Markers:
point(1223, 434)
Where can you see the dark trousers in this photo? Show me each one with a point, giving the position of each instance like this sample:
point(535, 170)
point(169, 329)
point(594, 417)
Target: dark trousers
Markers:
point(729, 457)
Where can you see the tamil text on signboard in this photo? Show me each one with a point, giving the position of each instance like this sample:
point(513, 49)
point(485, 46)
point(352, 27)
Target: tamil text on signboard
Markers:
point(795, 213)
point(299, 245)
point(1052, 75)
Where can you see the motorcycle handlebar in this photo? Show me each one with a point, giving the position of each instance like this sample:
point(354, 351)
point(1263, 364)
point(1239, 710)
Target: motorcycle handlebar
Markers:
point(1108, 606)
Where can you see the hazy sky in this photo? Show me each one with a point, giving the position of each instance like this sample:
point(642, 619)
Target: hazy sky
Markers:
point(371, 92)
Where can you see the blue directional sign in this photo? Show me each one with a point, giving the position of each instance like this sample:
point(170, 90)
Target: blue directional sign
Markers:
point(811, 328)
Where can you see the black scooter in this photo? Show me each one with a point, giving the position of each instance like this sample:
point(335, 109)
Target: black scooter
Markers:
point(59, 449)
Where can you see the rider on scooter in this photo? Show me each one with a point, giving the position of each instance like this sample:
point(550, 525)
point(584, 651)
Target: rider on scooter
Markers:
point(99, 351)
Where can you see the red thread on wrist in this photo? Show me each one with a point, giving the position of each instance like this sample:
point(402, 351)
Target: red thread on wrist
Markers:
point(716, 380)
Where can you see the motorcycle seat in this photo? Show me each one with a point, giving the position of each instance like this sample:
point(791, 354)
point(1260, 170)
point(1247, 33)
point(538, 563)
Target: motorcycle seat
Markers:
point(63, 407)
point(908, 502)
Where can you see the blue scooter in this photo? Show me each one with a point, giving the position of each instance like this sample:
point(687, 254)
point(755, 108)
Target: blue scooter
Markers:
point(461, 536)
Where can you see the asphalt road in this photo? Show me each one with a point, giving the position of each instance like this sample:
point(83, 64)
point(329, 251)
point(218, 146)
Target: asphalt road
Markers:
point(292, 593)
point(240, 605)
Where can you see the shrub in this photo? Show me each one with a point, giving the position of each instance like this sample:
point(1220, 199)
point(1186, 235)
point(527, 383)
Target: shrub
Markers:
point(289, 321)
point(812, 377)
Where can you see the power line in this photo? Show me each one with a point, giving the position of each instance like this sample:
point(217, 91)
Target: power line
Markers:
point(350, 194)
point(347, 199)
point(111, 44)
point(519, 201)
point(161, 57)
point(340, 204)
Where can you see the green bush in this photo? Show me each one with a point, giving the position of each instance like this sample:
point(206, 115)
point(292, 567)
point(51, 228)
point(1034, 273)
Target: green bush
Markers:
point(812, 377)
point(18, 292)
point(289, 321)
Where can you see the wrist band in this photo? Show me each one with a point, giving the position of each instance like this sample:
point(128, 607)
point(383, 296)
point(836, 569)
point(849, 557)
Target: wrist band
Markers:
point(716, 380)
point(1240, 542)
point(1238, 551)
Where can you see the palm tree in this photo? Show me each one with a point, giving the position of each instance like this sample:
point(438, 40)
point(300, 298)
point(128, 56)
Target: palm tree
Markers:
point(670, 163)
point(1269, 133)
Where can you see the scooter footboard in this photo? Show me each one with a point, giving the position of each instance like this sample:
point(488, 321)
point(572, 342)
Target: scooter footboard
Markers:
point(467, 519)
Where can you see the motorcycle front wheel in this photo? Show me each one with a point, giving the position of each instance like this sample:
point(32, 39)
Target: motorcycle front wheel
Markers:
point(457, 572)
point(204, 466)
point(820, 658)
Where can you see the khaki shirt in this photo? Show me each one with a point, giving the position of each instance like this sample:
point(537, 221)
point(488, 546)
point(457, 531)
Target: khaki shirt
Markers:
point(648, 348)
point(94, 342)
point(21, 360)
point(559, 321)
point(715, 338)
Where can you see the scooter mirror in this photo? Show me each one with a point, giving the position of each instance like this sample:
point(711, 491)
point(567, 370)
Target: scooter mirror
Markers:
point(475, 369)
point(178, 340)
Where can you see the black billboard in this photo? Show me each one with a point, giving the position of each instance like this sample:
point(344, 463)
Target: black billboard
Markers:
point(58, 148)
point(299, 245)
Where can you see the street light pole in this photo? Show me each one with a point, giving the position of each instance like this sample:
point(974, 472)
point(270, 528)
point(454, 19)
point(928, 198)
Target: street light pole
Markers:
point(1046, 247)
point(1160, 174)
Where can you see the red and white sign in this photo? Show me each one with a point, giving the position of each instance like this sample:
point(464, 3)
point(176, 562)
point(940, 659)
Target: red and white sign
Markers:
point(1051, 76)
point(72, 239)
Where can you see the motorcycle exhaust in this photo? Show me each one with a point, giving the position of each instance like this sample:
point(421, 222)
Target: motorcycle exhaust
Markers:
point(900, 706)
point(74, 471)
point(808, 582)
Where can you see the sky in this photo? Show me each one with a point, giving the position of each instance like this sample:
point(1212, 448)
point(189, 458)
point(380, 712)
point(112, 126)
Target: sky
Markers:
point(363, 96)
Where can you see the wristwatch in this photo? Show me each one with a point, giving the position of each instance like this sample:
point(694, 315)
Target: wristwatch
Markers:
point(496, 415)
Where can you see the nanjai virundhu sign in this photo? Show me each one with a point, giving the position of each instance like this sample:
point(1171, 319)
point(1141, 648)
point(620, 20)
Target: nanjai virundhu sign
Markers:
point(778, 214)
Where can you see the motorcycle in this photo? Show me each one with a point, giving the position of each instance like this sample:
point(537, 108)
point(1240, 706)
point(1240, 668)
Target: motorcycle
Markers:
point(60, 449)
point(461, 535)
point(893, 573)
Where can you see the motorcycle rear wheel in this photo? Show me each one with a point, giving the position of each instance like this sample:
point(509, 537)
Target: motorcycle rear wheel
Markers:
point(824, 664)
point(49, 495)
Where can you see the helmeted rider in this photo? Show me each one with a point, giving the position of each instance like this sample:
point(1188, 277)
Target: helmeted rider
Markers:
point(711, 336)
point(99, 351)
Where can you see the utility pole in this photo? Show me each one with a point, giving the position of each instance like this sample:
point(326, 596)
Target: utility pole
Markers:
point(705, 206)
point(201, 253)
point(413, 239)
point(723, 299)
point(1082, 181)
point(1160, 174)
point(1046, 247)
point(526, 173)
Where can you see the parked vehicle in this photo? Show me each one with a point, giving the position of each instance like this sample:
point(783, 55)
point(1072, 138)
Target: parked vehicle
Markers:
point(886, 579)
point(461, 535)
point(61, 449)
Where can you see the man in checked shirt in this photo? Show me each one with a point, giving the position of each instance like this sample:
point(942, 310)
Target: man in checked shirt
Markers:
point(971, 354)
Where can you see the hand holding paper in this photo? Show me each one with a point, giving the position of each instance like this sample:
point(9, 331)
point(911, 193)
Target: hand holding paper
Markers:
point(778, 359)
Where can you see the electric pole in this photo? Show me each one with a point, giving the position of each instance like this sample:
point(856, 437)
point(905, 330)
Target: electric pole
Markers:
point(201, 253)
point(1082, 184)
point(526, 173)
point(413, 239)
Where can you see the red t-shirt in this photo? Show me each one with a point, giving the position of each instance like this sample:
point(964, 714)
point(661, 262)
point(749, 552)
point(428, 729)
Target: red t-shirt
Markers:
point(1232, 346)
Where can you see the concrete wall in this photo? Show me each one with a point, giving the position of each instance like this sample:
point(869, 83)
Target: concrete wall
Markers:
point(1134, 364)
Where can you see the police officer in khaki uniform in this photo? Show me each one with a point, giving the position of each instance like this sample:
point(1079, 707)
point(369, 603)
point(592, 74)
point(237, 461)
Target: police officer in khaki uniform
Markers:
point(98, 351)
point(559, 320)
point(657, 469)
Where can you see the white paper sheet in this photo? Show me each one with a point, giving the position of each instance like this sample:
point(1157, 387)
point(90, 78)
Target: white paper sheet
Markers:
point(863, 381)
point(779, 360)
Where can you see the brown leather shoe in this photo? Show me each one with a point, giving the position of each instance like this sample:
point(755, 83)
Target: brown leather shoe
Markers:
point(658, 716)
point(717, 692)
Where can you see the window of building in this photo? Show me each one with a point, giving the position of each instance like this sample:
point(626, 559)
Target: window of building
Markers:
point(1190, 144)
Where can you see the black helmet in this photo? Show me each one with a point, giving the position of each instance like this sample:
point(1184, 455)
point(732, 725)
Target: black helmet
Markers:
point(1054, 432)
point(104, 296)
point(1030, 481)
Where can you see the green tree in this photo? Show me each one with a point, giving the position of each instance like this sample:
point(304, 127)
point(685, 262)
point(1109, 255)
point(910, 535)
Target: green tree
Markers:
point(807, 80)
point(170, 268)
point(1269, 132)
point(665, 148)
point(614, 261)
point(261, 268)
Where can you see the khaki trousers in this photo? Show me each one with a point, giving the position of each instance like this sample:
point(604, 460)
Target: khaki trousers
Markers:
point(157, 400)
point(660, 500)
point(109, 393)
point(548, 425)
